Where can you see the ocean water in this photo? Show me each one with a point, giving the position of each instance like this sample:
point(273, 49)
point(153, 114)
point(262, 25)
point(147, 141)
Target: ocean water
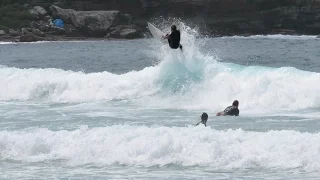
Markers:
point(128, 109)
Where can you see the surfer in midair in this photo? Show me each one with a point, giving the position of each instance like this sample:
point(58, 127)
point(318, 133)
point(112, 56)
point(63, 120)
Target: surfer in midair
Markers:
point(174, 38)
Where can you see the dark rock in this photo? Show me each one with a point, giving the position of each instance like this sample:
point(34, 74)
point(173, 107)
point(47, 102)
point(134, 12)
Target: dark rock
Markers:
point(244, 26)
point(34, 24)
point(122, 19)
point(74, 33)
point(258, 26)
point(25, 31)
point(39, 33)
point(46, 18)
point(218, 17)
point(14, 33)
point(64, 14)
point(92, 23)
point(245, 34)
point(40, 25)
point(284, 31)
point(71, 31)
point(56, 30)
point(30, 38)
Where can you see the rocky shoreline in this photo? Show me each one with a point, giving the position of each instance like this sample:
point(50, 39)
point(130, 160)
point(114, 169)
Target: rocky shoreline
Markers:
point(77, 25)
point(83, 20)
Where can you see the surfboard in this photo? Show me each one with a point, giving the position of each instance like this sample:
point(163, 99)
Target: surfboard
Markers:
point(156, 33)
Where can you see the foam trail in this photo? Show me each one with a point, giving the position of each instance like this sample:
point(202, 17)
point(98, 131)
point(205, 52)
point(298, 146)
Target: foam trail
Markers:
point(160, 146)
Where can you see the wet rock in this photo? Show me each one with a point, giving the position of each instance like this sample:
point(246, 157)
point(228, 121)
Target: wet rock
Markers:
point(14, 33)
point(125, 32)
point(129, 34)
point(56, 30)
point(39, 33)
point(284, 31)
point(30, 38)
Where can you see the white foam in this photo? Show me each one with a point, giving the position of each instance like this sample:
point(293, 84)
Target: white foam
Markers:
point(66, 86)
point(274, 36)
point(159, 146)
point(37, 42)
point(259, 88)
point(44, 42)
point(7, 43)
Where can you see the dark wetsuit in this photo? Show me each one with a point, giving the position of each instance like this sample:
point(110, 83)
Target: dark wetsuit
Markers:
point(174, 40)
point(231, 111)
point(204, 122)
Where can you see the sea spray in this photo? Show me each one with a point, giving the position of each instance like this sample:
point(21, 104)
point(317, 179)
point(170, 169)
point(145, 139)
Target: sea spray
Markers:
point(186, 80)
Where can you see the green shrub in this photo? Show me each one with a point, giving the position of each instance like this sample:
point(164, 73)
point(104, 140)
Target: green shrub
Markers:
point(15, 15)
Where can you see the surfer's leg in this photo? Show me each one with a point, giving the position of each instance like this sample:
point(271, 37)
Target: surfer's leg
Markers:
point(180, 46)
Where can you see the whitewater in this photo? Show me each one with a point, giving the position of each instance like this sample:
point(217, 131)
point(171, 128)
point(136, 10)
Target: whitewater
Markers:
point(128, 109)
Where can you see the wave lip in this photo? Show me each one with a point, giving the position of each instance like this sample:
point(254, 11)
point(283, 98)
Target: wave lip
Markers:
point(171, 84)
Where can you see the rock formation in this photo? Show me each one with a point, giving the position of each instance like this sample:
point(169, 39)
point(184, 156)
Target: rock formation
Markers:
point(128, 19)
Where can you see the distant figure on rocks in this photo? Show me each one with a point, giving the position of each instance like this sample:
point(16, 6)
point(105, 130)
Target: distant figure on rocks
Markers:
point(231, 110)
point(204, 119)
point(174, 38)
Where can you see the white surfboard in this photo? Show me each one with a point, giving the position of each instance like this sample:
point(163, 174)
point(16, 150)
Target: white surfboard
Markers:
point(156, 33)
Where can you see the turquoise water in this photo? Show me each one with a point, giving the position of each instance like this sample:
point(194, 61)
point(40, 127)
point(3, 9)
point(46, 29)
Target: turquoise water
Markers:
point(127, 109)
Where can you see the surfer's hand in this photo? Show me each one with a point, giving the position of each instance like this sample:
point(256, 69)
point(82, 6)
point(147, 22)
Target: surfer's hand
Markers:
point(165, 36)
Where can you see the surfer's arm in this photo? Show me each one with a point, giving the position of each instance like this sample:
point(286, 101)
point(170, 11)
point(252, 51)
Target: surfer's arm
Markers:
point(201, 123)
point(220, 114)
point(166, 36)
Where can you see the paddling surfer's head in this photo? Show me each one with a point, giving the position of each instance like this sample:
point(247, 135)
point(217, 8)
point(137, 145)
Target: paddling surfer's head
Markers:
point(173, 28)
point(204, 118)
point(235, 103)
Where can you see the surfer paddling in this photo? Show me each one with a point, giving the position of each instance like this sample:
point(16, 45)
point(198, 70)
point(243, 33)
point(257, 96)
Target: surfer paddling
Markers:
point(174, 38)
point(204, 119)
point(231, 110)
